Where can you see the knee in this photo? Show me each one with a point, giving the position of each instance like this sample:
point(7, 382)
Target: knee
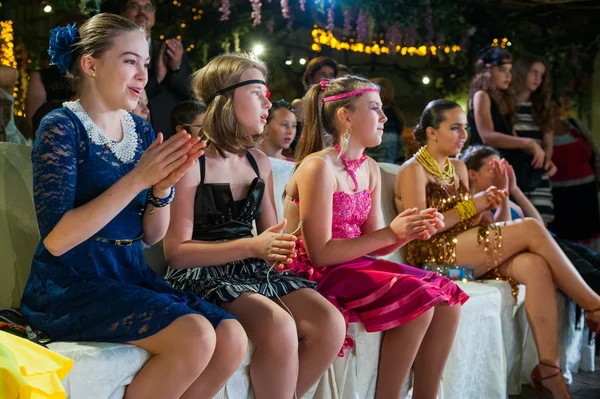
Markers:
point(325, 328)
point(279, 336)
point(533, 227)
point(232, 342)
point(198, 346)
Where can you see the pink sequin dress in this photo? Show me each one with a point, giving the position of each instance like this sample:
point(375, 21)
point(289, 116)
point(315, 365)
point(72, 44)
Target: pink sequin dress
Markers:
point(380, 294)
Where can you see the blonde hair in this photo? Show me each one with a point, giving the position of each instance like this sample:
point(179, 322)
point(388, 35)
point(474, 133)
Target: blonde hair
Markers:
point(96, 37)
point(319, 117)
point(220, 125)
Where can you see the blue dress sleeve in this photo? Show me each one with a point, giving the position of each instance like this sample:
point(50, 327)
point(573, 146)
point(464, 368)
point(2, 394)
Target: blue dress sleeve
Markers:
point(54, 159)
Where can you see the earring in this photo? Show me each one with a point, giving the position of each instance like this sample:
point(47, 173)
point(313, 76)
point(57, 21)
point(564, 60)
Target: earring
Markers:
point(93, 74)
point(345, 140)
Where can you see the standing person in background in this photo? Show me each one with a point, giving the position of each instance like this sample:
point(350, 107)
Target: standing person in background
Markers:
point(531, 84)
point(576, 184)
point(169, 70)
point(8, 129)
point(391, 149)
point(49, 84)
point(280, 131)
point(491, 117)
point(318, 69)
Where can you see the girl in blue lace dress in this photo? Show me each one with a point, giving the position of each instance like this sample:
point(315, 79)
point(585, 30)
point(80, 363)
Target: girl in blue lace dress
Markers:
point(93, 163)
point(211, 249)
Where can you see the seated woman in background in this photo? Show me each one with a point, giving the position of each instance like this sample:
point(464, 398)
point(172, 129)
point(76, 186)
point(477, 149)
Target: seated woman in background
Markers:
point(335, 193)
point(484, 165)
point(521, 251)
point(280, 131)
point(8, 129)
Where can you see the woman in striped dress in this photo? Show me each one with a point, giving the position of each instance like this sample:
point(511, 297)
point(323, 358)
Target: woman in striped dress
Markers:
point(211, 249)
point(531, 84)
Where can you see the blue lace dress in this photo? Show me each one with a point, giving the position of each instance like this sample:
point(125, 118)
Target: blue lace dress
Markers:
point(97, 291)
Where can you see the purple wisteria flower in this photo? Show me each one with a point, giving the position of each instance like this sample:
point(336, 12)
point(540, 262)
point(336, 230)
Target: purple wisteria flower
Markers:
point(256, 6)
point(224, 10)
point(362, 27)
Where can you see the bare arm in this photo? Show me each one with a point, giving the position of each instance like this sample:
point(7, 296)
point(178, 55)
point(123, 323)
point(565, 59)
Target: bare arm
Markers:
point(268, 216)
point(36, 97)
point(411, 188)
point(181, 252)
point(316, 185)
point(375, 221)
point(485, 126)
point(161, 163)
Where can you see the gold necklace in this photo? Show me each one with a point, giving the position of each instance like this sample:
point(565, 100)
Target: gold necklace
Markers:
point(429, 163)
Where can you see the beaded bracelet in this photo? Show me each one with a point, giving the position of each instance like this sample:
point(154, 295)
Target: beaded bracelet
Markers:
point(466, 209)
point(160, 202)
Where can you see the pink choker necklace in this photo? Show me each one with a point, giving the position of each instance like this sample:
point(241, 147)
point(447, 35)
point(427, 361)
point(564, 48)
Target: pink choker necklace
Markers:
point(351, 165)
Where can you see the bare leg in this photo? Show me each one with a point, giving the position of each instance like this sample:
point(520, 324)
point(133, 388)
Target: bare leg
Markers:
point(177, 362)
point(230, 350)
point(528, 235)
point(321, 330)
point(398, 350)
point(434, 350)
point(274, 366)
point(540, 303)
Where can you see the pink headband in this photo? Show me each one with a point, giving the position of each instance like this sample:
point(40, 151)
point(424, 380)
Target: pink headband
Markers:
point(350, 94)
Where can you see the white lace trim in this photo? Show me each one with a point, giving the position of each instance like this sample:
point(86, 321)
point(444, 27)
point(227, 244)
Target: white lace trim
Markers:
point(124, 150)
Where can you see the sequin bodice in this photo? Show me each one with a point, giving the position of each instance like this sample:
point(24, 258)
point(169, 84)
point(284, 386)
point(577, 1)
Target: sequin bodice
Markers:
point(350, 212)
point(441, 248)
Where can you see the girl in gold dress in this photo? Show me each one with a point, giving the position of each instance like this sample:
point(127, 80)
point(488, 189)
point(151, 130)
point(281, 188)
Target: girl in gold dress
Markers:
point(519, 251)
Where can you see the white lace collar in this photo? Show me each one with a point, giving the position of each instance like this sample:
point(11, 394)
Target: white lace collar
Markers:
point(124, 150)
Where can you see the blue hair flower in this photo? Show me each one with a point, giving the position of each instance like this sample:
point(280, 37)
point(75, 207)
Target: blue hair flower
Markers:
point(62, 39)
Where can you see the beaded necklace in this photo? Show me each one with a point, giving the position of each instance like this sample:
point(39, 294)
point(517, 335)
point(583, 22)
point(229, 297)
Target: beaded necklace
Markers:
point(123, 150)
point(429, 163)
point(351, 165)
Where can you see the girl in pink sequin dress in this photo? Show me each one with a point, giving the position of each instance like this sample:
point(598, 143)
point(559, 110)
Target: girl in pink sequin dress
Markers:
point(336, 194)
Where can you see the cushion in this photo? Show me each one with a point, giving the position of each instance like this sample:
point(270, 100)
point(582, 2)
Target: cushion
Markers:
point(19, 234)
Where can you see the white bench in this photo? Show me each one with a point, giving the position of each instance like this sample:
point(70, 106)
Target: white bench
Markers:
point(491, 355)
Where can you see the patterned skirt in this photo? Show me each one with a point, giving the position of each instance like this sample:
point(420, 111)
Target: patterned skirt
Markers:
point(224, 283)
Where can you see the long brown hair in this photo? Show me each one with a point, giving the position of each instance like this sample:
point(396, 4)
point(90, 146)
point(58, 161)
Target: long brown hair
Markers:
point(482, 80)
point(220, 126)
point(319, 117)
point(541, 99)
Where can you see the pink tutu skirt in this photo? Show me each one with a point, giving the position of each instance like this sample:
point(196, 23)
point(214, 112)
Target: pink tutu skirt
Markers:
point(380, 294)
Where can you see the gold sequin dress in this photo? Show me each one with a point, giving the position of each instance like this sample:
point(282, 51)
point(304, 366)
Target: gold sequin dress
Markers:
point(441, 248)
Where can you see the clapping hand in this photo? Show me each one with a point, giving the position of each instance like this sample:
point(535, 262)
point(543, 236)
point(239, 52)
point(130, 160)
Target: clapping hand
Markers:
point(413, 224)
point(165, 162)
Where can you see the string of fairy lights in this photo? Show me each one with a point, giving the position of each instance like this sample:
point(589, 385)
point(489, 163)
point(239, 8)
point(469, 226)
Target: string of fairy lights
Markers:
point(321, 38)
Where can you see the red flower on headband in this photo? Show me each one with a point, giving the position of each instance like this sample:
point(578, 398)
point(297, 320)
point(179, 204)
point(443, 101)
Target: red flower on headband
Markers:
point(324, 83)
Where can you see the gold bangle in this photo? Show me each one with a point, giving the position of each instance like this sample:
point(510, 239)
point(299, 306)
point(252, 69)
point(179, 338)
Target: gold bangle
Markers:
point(466, 209)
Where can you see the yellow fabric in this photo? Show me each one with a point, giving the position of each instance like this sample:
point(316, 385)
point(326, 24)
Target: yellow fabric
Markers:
point(30, 371)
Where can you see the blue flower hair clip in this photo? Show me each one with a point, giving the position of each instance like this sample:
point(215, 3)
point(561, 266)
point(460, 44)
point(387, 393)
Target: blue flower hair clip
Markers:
point(62, 39)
